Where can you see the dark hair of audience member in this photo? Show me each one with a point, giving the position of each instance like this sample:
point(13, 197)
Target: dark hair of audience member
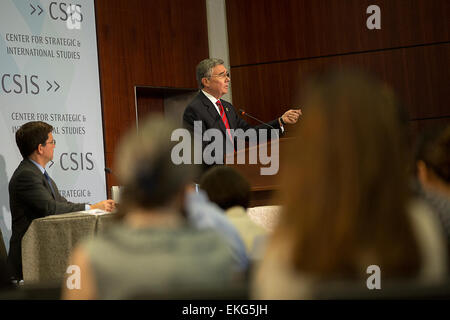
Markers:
point(31, 135)
point(345, 183)
point(433, 148)
point(226, 187)
point(149, 177)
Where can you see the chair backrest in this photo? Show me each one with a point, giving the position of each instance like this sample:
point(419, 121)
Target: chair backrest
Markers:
point(389, 291)
point(265, 216)
point(3, 253)
point(47, 291)
point(235, 292)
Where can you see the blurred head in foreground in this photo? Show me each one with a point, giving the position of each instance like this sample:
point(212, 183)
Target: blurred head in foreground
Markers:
point(345, 191)
point(146, 171)
point(153, 252)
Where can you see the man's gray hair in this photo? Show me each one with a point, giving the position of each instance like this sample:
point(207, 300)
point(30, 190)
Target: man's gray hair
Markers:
point(204, 69)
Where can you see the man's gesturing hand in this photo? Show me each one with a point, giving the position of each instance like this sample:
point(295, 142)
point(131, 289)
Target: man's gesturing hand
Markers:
point(291, 116)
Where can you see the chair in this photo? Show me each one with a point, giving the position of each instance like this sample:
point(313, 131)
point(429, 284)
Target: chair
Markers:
point(232, 292)
point(390, 290)
point(265, 216)
point(32, 292)
point(3, 254)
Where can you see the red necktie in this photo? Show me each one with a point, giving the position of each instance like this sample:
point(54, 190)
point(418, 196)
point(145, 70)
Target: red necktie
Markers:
point(224, 119)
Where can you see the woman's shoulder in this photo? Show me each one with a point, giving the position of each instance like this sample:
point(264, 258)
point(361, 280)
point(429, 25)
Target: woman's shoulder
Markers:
point(120, 237)
point(430, 239)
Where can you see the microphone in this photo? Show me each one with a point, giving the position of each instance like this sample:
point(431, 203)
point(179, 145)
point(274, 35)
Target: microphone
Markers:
point(243, 113)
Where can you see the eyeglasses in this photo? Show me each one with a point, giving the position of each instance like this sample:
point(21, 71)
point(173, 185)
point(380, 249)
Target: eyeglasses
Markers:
point(222, 75)
point(50, 142)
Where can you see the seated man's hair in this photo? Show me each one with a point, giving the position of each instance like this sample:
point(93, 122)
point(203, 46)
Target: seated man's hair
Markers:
point(31, 135)
point(433, 148)
point(226, 187)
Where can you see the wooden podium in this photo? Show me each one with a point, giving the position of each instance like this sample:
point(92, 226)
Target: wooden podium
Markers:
point(263, 187)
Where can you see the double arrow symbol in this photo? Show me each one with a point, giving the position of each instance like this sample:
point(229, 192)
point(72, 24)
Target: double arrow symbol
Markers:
point(50, 85)
point(34, 9)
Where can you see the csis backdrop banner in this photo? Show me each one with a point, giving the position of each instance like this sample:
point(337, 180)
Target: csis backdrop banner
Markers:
point(49, 72)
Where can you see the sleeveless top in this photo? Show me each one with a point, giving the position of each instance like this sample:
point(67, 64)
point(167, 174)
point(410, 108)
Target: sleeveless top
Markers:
point(131, 263)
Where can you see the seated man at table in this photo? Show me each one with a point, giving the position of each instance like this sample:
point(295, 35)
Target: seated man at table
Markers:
point(32, 193)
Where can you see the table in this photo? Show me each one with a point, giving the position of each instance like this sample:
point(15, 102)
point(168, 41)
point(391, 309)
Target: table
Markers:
point(48, 243)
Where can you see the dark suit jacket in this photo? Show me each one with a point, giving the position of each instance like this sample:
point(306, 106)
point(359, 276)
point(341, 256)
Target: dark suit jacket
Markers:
point(202, 109)
point(30, 197)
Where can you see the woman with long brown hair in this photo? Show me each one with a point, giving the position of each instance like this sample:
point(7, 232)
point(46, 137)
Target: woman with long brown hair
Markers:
point(345, 196)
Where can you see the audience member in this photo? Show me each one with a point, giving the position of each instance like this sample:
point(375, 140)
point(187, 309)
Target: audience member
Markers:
point(231, 191)
point(206, 215)
point(152, 251)
point(32, 193)
point(346, 199)
point(433, 172)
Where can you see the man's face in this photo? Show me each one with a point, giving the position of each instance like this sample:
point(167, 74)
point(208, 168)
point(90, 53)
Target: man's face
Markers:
point(217, 84)
point(48, 148)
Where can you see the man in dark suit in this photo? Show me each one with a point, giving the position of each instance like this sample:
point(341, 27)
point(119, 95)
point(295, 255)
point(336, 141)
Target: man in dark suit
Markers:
point(213, 112)
point(32, 193)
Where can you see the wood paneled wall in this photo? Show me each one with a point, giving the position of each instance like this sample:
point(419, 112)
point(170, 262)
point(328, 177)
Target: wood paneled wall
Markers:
point(145, 43)
point(275, 45)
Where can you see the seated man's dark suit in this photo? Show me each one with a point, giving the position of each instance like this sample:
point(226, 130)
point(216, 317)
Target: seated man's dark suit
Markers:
point(202, 109)
point(30, 197)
